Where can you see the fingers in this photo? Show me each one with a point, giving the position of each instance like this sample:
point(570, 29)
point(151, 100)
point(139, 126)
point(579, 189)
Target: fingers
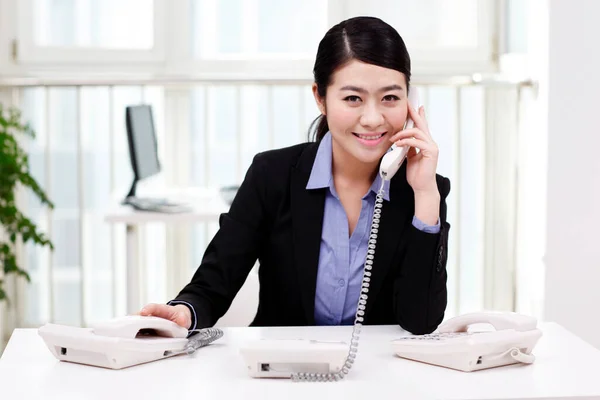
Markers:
point(415, 116)
point(157, 310)
point(413, 132)
point(179, 313)
point(182, 316)
point(411, 152)
point(418, 116)
point(426, 148)
point(147, 309)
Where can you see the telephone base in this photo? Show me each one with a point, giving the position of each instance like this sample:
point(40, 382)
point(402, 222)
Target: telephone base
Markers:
point(282, 358)
point(470, 352)
point(82, 346)
point(466, 362)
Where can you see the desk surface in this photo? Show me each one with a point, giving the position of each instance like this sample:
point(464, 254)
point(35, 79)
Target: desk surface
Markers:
point(566, 368)
point(206, 205)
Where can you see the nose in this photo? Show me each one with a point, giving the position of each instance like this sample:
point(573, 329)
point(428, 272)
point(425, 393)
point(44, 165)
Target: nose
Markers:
point(371, 117)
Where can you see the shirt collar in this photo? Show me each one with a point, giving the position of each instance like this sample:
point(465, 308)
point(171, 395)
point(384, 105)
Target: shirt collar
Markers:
point(321, 175)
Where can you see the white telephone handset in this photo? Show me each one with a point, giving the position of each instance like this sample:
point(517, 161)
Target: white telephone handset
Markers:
point(123, 342)
point(392, 160)
point(452, 345)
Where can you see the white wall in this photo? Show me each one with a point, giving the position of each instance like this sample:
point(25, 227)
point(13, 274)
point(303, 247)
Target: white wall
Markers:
point(573, 235)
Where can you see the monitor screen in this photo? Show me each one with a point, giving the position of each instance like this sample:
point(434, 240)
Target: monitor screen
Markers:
point(143, 150)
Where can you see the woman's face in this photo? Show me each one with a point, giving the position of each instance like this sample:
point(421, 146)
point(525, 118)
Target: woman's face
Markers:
point(364, 105)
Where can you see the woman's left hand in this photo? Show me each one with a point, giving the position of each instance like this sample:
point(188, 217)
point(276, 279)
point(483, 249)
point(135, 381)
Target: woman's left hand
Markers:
point(422, 166)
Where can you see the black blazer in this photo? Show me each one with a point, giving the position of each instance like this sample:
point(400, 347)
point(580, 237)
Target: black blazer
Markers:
point(276, 220)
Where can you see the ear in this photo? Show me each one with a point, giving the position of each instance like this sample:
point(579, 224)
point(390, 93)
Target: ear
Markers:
point(320, 101)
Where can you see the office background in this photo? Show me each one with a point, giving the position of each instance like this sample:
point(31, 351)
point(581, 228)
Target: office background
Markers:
point(507, 87)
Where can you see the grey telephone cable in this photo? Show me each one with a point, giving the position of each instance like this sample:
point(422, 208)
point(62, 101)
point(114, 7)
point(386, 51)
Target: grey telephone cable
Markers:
point(204, 337)
point(362, 303)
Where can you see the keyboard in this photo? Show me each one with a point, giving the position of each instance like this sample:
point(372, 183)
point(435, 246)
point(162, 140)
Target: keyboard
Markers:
point(156, 205)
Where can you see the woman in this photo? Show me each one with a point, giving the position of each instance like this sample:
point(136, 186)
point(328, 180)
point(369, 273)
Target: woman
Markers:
point(305, 211)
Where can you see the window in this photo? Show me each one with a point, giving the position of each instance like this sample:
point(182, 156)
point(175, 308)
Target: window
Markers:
point(224, 39)
point(95, 24)
point(257, 28)
point(81, 159)
point(443, 37)
point(90, 31)
point(427, 24)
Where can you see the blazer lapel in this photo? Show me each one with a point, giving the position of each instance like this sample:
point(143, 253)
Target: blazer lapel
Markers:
point(308, 207)
point(393, 221)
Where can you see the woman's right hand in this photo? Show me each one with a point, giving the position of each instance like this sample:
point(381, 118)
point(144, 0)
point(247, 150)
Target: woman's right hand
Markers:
point(179, 313)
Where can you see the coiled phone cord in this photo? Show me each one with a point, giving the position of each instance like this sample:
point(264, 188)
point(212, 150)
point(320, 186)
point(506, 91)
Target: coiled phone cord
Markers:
point(204, 337)
point(360, 309)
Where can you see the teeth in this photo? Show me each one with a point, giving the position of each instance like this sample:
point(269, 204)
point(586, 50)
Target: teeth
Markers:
point(370, 137)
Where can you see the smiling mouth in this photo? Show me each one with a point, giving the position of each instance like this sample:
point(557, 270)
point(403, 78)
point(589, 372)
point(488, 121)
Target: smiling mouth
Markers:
point(369, 136)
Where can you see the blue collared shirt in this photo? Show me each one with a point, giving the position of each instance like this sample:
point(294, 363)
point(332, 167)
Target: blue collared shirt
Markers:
point(342, 256)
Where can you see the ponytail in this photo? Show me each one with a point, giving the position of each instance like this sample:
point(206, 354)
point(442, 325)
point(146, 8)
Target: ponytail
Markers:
point(321, 129)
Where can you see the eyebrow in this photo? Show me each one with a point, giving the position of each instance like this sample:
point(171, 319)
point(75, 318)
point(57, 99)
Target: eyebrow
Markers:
point(383, 89)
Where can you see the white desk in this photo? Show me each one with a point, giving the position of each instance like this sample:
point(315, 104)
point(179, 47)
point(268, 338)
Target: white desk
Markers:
point(207, 205)
point(566, 368)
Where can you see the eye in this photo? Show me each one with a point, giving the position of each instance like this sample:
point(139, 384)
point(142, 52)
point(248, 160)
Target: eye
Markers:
point(391, 97)
point(352, 99)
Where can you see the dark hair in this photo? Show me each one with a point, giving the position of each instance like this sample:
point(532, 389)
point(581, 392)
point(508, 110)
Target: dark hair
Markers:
point(367, 39)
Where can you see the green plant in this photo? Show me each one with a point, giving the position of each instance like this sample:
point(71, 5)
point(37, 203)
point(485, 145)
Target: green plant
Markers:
point(14, 172)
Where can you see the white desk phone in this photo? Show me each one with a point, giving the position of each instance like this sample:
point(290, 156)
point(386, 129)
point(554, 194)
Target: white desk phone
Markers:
point(123, 342)
point(132, 340)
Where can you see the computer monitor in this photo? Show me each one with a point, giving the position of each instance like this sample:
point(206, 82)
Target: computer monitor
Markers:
point(143, 148)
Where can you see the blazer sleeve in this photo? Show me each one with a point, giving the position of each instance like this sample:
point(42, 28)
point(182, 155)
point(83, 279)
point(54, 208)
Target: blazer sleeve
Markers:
point(420, 294)
point(231, 253)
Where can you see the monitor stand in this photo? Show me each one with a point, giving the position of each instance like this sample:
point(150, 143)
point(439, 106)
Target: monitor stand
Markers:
point(153, 204)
